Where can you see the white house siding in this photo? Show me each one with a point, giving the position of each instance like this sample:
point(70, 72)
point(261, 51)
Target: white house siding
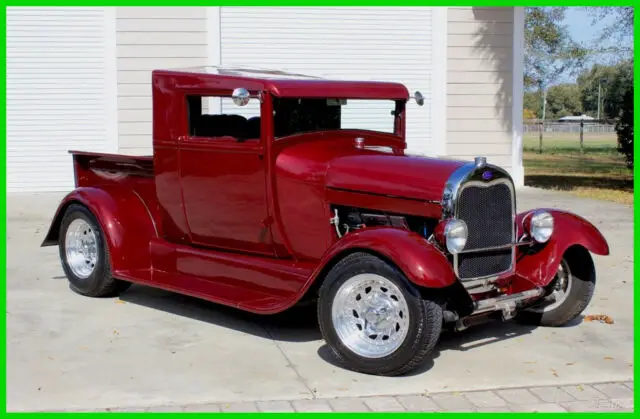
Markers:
point(480, 83)
point(149, 38)
point(60, 83)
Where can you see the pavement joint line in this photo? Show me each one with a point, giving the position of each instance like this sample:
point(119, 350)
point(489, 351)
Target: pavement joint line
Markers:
point(290, 364)
point(567, 384)
point(326, 399)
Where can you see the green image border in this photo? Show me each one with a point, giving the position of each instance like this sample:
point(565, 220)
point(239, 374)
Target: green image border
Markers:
point(485, 3)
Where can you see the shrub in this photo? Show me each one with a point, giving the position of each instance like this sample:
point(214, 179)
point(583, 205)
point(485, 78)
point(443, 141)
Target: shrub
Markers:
point(624, 127)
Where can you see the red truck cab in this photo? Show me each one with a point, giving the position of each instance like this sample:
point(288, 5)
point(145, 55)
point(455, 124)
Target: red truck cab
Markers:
point(301, 202)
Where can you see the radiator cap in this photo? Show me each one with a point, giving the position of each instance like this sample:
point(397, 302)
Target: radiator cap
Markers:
point(480, 162)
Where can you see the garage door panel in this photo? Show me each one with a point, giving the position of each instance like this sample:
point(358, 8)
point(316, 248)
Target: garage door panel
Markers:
point(352, 43)
point(57, 93)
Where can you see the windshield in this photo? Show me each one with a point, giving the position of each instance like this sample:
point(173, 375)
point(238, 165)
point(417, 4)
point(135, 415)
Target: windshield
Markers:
point(300, 115)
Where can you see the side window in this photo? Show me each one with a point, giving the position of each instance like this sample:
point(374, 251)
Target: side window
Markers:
point(215, 117)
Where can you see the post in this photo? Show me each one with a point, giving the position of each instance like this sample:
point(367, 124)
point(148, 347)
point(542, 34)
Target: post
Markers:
point(581, 137)
point(544, 110)
point(540, 124)
point(599, 84)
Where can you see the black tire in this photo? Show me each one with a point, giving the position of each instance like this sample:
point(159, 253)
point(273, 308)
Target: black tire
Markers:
point(99, 283)
point(425, 318)
point(577, 261)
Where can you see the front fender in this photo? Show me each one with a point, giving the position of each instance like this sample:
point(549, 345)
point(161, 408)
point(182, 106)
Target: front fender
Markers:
point(421, 262)
point(124, 219)
point(540, 263)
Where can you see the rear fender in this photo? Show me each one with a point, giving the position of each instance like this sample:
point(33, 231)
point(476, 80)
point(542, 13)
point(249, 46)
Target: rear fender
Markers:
point(421, 262)
point(540, 263)
point(124, 219)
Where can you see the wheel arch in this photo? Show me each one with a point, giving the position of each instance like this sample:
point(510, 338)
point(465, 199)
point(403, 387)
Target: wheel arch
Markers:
point(572, 233)
point(418, 260)
point(124, 219)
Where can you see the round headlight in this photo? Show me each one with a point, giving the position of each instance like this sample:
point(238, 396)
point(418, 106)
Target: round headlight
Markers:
point(541, 227)
point(455, 234)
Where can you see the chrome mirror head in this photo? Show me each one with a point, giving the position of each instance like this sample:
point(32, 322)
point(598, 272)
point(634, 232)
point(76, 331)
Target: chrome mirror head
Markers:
point(240, 96)
point(419, 97)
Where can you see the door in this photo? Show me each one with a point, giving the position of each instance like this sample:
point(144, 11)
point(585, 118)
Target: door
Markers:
point(223, 176)
point(311, 40)
point(60, 93)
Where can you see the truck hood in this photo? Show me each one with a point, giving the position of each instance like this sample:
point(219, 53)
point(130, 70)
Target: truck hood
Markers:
point(330, 160)
point(409, 177)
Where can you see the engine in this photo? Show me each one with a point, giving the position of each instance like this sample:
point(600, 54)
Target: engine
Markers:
point(347, 219)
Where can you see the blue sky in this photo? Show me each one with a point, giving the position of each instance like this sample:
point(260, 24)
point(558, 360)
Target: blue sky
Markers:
point(579, 24)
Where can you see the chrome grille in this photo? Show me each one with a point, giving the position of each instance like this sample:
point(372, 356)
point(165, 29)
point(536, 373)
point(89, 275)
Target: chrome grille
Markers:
point(487, 208)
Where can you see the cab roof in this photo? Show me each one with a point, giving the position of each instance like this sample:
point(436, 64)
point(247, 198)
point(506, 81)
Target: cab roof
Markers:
point(282, 84)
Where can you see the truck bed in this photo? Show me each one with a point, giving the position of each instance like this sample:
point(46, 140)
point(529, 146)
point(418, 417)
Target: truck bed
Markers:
point(108, 166)
point(106, 171)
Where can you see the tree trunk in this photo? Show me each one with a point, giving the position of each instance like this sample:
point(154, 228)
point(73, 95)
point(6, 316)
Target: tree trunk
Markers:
point(582, 137)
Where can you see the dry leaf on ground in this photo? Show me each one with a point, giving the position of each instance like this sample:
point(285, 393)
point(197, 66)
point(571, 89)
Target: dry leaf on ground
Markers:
point(603, 318)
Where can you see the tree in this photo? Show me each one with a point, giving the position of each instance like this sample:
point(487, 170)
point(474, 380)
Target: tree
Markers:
point(621, 27)
point(564, 100)
point(610, 84)
point(528, 114)
point(620, 86)
point(618, 96)
point(620, 106)
point(533, 102)
point(624, 127)
point(549, 49)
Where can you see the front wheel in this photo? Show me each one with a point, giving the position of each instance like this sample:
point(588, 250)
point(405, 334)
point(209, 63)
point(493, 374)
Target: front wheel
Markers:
point(374, 320)
point(568, 294)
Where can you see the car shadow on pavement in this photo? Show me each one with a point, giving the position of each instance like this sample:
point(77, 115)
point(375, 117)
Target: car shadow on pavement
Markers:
point(466, 340)
point(298, 324)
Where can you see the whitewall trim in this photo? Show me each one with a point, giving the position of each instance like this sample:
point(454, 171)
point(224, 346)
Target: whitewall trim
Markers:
point(439, 81)
point(111, 80)
point(518, 93)
point(214, 49)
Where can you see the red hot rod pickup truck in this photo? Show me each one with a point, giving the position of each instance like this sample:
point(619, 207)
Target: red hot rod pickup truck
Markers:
point(292, 206)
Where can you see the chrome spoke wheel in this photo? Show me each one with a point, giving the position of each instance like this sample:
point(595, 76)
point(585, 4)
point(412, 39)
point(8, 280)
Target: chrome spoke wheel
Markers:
point(81, 248)
point(370, 315)
point(560, 287)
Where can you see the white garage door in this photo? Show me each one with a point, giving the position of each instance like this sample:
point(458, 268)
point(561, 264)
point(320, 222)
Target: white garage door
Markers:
point(60, 94)
point(377, 43)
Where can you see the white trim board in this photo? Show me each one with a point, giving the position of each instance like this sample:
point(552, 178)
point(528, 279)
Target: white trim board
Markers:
point(111, 79)
point(517, 98)
point(214, 50)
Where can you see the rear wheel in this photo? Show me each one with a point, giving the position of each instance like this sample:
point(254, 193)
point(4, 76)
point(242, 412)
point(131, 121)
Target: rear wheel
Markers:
point(568, 294)
point(374, 320)
point(85, 256)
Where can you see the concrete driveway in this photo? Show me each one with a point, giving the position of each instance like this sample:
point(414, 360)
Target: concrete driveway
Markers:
point(151, 347)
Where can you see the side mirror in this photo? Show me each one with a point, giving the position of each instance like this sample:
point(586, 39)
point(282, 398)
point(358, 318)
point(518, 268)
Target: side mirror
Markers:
point(419, 98)
point(240, 96)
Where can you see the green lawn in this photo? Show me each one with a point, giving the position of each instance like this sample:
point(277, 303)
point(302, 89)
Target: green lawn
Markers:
point(600, 172)
point(570, 144)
